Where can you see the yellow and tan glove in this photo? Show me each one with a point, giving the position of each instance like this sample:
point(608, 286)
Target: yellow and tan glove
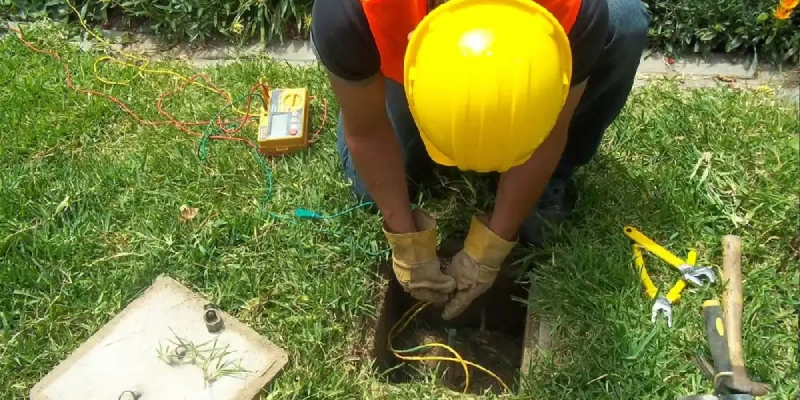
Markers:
point(475, 267)
point(415, 262)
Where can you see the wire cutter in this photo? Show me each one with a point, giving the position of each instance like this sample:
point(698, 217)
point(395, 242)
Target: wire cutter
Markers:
point(691, 274)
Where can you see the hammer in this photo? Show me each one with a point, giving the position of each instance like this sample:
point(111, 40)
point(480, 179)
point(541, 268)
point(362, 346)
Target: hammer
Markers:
point(720, 397)
point(723, 323)
point(732, 315)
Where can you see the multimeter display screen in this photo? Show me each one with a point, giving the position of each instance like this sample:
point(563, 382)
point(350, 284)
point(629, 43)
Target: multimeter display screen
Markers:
point(279, 125)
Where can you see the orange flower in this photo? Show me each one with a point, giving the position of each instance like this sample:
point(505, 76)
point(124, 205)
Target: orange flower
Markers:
point(782, 13)
point(789, 5)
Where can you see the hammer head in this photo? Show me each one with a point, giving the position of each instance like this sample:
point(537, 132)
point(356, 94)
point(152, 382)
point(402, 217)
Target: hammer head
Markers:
point(740, 383)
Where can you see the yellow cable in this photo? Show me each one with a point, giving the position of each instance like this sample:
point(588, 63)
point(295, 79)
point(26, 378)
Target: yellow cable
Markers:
point(401, 324)
point(140, 69)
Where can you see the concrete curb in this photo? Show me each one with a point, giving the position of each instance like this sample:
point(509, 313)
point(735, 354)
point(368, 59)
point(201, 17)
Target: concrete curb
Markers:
point(300, 52)
point(691, 71)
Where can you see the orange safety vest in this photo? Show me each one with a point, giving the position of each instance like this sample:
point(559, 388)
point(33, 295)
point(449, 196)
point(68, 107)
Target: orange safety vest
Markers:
point(392, 20)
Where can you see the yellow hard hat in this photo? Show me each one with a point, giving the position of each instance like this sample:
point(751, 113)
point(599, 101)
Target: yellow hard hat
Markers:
point(486, 80)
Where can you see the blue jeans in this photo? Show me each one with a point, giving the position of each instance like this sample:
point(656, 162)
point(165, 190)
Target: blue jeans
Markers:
point(606, 93)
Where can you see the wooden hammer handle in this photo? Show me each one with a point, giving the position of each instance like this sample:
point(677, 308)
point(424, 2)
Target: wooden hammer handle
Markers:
point(732, 300)
point(732, 297)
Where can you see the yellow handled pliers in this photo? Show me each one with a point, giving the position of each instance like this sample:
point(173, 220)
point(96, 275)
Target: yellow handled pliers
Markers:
point(663, 304)
point(691, 274)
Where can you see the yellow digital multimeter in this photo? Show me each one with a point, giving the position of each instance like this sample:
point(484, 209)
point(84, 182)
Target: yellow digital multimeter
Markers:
point(283, 126)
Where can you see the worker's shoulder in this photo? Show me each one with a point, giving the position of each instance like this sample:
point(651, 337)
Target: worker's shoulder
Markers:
point(592, 21)
point(591, 15)
point(348, 12)
point(342, 39)
point(588, 37)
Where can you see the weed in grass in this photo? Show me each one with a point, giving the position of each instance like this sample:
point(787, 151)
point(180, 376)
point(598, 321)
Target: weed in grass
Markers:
point(212, 360)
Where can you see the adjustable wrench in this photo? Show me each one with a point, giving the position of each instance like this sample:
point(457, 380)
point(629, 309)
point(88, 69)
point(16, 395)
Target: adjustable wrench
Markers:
point(662, 304)
point(691, 274)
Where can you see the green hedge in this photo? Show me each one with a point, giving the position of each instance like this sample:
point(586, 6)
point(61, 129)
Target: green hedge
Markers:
point(724, 26)
point(195, 20)
point(678, 26)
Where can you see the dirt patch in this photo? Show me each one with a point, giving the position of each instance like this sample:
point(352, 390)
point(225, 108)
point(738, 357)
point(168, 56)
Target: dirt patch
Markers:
point(489, 333)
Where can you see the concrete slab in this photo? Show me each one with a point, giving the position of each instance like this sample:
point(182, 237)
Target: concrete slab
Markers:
point(298, 51)
point(131, 353)
point(736, 67)
point(205, 63)
point(783, 88)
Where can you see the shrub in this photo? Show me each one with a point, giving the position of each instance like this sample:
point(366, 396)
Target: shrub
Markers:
point(24, 10)
point(195, 20)
point(700, 26)
point(724, 26)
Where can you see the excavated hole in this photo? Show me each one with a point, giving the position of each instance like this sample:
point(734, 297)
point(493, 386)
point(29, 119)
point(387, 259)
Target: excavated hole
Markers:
point(489, 333)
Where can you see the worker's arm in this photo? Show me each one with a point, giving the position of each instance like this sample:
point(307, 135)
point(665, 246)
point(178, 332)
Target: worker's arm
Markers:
point(344, 45)
point(521, 186)
point(374, 148)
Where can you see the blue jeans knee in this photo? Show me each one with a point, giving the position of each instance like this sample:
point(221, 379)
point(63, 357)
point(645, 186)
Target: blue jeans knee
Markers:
point(629, 23)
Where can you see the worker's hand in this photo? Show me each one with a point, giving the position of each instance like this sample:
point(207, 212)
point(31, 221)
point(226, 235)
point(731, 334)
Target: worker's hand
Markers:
point(476, 266)
point(415, 262)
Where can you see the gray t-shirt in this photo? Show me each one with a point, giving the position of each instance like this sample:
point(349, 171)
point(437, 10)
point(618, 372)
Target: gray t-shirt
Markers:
point(344, 43)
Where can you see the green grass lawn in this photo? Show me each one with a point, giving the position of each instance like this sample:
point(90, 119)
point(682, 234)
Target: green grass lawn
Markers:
point(89, 216)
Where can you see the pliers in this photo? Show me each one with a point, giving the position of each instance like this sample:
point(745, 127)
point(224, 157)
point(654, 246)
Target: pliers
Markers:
point(691, 274)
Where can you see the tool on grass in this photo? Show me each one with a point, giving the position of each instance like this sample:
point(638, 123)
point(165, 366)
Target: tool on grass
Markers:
point(732, 300)
point(691, 274)
point(283, 127)
point(723, 329)
point(661, 304)
point(717, 342)
point(720, 397)
point(721, 371)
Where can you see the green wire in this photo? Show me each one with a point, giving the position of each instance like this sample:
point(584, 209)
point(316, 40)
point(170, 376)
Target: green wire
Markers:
point(202, 150)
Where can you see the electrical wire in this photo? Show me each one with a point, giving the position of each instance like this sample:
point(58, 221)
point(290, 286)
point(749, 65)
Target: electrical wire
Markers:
point(140, 69)
point(401, 324)
point(170, 120)
point(212, 132)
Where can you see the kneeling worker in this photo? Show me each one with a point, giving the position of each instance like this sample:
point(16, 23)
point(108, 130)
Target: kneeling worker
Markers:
point(522, 88)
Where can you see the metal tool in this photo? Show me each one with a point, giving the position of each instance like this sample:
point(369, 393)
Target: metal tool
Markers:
point(213, 318)
point(720, 397)
point(722, 370)
point(732, 302)
point(691, 274)
point(662, 304)
point(718, 343)
point(723, 329)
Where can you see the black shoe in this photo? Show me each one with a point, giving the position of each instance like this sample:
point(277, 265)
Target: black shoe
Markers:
point(553, 207)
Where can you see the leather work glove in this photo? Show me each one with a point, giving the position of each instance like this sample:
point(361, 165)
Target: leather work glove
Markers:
point(475, 267)
point(415, 262)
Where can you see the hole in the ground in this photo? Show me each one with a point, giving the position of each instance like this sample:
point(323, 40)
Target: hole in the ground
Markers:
point(489, 333)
